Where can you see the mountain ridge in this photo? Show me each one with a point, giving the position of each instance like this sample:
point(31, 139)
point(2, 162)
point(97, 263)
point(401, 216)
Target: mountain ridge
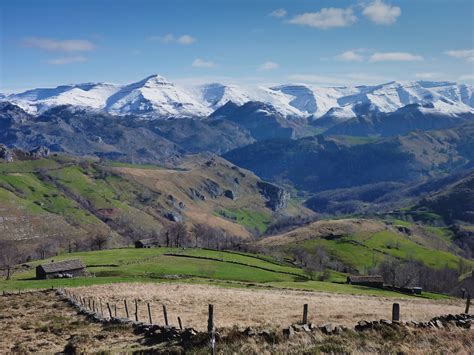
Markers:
point(156, 97)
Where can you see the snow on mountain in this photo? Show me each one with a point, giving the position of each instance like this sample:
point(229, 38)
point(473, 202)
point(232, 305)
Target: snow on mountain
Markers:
point(156, 97)
point(91, 95)
point(217, 95)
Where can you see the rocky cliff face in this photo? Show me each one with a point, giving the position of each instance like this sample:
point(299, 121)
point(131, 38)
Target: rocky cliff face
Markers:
point(277, 197)
point(5, 154)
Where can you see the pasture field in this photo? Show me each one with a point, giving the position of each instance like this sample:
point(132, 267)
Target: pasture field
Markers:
point(196, 266)
point(262, 307)
point(40, 322)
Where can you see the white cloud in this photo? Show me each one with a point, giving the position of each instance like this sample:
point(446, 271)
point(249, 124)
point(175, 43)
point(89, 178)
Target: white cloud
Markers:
point(279, 13)
point(171, 38)
point(269, 66)
point(381, 13)
point(394, 57)
point(468, 77)
point(186, 39)
point(54, 45)
point(200, 63)
point(339, 79)
point(67, 60)
point(326, 18)
point(350, 56)
point(467, 54)
point(426, 75)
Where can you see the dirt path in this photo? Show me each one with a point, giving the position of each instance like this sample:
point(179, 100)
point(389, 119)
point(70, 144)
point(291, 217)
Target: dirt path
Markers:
point(245, 307)
point(40, 322)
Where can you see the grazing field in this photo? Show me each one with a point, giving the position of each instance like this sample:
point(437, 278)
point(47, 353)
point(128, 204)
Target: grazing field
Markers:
point(260, 308)
point(362, 243)
point(41, 322)
point(190, 266)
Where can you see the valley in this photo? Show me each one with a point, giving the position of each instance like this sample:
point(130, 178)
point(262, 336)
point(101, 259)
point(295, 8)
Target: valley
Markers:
point(246, 199)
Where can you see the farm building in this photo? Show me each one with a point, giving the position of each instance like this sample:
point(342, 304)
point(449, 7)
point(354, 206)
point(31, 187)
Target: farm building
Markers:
point(147, 243)
point(366, 280)
point(59, 269)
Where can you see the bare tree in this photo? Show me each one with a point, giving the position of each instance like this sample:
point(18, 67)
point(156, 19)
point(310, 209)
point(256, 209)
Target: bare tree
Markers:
point(178, 233)
point(9, 256)
point(99, 241)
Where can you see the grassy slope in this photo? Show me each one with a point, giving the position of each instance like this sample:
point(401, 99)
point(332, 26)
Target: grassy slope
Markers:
point(77, 190)
point(152, 265)
point(365, 249)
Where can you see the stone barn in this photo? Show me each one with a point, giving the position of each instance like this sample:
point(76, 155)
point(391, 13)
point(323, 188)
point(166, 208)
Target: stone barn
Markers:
point(147, 243)
point(60, 269)
point(366, 280)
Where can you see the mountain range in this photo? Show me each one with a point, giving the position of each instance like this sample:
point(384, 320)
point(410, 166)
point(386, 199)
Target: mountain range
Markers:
point(156, 97)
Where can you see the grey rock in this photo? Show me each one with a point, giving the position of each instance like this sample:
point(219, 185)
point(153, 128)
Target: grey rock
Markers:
point(39, 152)
point(174, 217)
point(327, 328)
point(6, 154)
point(276, 197)
point(289, 332)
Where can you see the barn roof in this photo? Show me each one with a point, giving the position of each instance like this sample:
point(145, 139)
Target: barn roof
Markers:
point(365, 278)
point(65, 265)
point(148, 241)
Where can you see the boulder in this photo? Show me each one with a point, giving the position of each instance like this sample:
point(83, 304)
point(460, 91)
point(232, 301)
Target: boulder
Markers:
point(327, 328)
point(289, 332)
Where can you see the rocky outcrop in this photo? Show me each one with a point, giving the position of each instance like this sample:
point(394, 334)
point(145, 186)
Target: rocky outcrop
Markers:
point(6, 154)
point(277, 197)
point(39, 152)
point(230, 194)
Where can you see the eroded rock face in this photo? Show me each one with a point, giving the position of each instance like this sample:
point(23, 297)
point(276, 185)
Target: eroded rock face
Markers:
point(39, 152)
point(277, 197)
point(5, 154)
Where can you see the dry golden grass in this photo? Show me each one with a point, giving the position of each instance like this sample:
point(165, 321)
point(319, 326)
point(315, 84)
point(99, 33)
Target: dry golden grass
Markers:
point(40, 322)
point(250, 307)
point(323, 228)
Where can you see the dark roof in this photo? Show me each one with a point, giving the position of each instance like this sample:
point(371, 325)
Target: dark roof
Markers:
point(148, 241)
point(65, 265)
point(365, 278)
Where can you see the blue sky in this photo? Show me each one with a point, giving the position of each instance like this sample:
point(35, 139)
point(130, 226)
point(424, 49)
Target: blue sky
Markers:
point(52, 42)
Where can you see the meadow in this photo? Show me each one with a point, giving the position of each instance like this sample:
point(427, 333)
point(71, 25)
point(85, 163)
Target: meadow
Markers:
point(195, 266)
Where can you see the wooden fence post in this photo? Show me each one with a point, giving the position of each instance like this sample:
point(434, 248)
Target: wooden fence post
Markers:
point(305, 314)
point(468, 303)
point(110, 310)
point(180, 324)
point(165, 315)
point(210, 329)
point(149, 313)
point(126, 308)
point(89, 303)
point(115, 310)
point(395, 312)
point(93, 305)
point(101, 308)
point(136, 310)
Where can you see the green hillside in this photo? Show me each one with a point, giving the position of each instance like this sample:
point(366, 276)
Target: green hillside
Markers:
point(362, 244)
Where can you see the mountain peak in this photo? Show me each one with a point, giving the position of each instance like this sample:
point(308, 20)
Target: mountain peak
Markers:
point(155, 80)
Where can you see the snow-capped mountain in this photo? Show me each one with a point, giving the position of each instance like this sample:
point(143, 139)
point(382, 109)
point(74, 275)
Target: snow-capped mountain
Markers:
point(156, 97)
